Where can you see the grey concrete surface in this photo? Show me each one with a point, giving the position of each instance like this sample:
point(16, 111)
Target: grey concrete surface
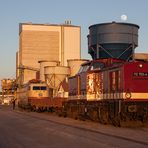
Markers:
point(19, 129)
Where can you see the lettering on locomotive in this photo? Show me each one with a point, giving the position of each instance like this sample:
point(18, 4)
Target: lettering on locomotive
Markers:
point(140, 74)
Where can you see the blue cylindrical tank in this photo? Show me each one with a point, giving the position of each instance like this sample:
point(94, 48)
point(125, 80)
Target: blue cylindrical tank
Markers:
point(113, 40)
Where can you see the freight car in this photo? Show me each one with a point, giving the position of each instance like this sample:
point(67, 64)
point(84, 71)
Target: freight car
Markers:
point(110, 91)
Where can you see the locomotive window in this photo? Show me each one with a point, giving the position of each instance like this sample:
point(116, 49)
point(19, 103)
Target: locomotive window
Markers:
point(113, 86)
point(83, 68)
point(119, 80)
point(97, 66)
point(43, 88)
point(39, 88)
point(80, 70)
point(36, 88)
point(115, 81)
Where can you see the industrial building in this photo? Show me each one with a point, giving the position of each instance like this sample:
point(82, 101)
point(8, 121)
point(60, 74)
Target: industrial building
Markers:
point(8, 91)
point(45, 42)
point(141, 56)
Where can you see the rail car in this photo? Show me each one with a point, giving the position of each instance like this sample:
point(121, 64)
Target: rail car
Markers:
point(110, 91)
point(37, 96)
point(30, 94)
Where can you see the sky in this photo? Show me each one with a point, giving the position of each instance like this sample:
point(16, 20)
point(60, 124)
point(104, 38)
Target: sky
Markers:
point(81, 12)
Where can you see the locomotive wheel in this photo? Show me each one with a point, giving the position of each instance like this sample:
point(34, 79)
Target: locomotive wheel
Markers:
point(103, 116)
point(73, 115)
point(117, 121)
point(33, 108)
point(64, 114)
point(94, 115)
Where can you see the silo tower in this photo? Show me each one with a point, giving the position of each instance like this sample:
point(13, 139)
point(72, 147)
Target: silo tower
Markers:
point(113, 40)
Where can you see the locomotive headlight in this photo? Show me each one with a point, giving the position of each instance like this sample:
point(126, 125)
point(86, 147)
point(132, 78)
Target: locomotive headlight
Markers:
point(128, 95)
point(40, 94)
point(140, 65)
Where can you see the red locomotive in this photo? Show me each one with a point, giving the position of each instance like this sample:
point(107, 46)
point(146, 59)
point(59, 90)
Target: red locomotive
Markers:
point(112, 88)
point(110, 91)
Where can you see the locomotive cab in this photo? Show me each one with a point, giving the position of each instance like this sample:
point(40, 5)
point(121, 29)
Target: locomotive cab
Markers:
point(88, 82)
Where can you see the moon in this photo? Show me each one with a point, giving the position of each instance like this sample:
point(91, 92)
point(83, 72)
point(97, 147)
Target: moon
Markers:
point(123, 17)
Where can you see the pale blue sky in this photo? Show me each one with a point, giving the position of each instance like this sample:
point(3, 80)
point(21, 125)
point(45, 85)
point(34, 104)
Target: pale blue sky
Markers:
point(81, 12)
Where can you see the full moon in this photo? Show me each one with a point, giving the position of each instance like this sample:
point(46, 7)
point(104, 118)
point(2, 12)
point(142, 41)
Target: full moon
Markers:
point(123, 17)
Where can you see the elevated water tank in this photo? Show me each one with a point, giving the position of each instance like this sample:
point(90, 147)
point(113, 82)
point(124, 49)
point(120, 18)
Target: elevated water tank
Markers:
point(113, 40)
